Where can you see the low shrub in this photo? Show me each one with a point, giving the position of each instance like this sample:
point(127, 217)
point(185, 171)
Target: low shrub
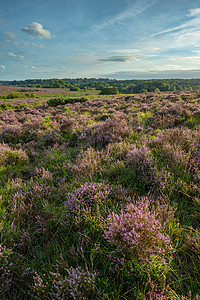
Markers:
point(137, 232)
point(9, 156)
point(56, 101)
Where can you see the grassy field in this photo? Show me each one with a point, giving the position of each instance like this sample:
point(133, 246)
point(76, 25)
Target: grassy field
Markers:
point(99, 195)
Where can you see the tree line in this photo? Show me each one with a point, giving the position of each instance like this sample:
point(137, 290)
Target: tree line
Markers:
point(123, 86)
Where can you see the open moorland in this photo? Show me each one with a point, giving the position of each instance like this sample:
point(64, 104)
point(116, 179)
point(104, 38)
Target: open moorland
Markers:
point(99, 195)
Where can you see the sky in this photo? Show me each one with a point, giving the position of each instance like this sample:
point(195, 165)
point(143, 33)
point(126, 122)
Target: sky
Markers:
point(121, 39)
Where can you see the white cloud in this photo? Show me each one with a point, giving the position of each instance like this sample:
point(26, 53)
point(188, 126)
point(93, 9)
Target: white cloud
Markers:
point(13, 42)
point(10, 34)
point(134, 10)
point(167, 67)
point(186, 27)
point(194, 12)
point(152, 49)
point(125, 51)
point(30, 67)
point(2, 67)
point(194, 34)
point(12, 55)
point(193, 58)
point(38, 46)
point(38, 30)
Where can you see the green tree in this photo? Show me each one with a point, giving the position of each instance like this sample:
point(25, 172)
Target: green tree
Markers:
point(109, 91)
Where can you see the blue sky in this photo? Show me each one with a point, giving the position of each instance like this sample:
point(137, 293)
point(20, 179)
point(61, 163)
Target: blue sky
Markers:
point(122, 39)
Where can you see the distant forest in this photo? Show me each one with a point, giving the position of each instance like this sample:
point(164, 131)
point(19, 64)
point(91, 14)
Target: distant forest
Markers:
point(123, 86)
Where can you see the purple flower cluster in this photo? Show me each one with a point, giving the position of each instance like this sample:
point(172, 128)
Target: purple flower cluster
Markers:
point(87, 163)
point(143, 166)
point(78, 284)
point(90, 194)
point(137, 232)
point(102, 133)
point(5, 267)
point(26, 201)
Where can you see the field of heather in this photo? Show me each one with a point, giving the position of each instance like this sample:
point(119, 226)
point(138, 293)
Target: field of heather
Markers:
point(99, 195)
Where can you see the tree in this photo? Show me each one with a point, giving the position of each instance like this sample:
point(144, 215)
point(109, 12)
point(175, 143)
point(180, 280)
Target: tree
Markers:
point(109, 91)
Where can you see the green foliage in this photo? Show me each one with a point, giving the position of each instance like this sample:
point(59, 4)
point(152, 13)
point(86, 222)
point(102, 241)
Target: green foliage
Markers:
point(15, 95)
point(109, 91)
point(74, 88)
point(124, 86)
point(56, 101)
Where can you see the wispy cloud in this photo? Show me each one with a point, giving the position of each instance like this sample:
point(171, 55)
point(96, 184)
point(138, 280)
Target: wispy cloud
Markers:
point(192, 24)
point(13, 43)
point(154, 74)
point(38, 46)
point(14, 56)
point(190, 34)
point(125, 51)
point(124, 58)
point(118, 58)
point(37, 29)
point(10, 34)
point(137, 8)
point(192, 58)
point(152, 49)
point(30, 67)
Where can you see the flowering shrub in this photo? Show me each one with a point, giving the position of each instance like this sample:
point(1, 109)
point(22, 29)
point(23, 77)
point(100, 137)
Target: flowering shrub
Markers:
point(6, 276)
point(90, 194)
point(11, 133)
point(186, 138)
point(13, 273)
point(78, 284)
point(26, 200)
point(143, 167)
point(177, 148)
point(11, 156)
point(138, 232)
point(67, 125)
point(87, 163)
point(103, 133)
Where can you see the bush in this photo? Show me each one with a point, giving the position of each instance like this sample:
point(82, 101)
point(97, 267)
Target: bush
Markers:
point(109, 91)
point(56, 101)
point(102, 133)
point(91, 194)
point(144, 169)
point(12, 157)
point(138, 232)
point(15, 95)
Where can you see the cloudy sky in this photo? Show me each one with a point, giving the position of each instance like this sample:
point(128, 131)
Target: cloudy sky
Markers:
point(120, 39)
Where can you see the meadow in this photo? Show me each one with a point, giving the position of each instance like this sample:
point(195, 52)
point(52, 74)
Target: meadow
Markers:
point(99, 195)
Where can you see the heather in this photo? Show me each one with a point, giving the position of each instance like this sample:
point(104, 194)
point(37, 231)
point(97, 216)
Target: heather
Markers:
point(99, 195)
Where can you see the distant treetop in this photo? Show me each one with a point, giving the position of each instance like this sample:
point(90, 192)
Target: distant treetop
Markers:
point(104, 85)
